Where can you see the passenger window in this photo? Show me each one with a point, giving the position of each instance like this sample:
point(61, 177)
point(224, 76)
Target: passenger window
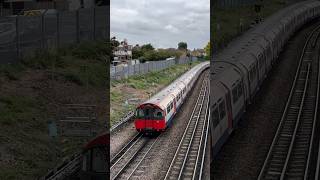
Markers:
point(140, 113)
point(99, 163)
point(147, 112)
point(234, 94)
point(215, 117)
point(240, 89)
point(158, 114)
point(222, 110)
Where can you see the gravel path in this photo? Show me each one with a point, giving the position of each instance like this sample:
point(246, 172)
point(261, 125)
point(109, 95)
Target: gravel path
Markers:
point(245, 151)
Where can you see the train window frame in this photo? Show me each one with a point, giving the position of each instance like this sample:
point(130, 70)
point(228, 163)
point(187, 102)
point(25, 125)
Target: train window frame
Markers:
point(147, 114)
point(234, 94)
point(104, 169)
point(86, 161)
point(155, 114)
point(138, 112)
point(240, 92)
point(215, 116)
point(222, 111)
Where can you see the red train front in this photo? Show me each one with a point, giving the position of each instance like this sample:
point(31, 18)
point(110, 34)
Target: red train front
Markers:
point(150, 118)
point(95, 159)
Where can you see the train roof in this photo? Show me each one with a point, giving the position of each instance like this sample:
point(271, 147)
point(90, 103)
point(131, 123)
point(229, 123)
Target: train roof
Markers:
point(101, 140)
point(168, 93)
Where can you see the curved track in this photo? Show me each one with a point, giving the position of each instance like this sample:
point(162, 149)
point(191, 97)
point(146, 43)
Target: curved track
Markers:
point(187, 162)
point(290, 152)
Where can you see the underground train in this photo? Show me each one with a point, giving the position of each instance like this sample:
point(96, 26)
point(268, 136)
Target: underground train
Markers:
point(156, 114)
point(237, 72)
point(94, 160)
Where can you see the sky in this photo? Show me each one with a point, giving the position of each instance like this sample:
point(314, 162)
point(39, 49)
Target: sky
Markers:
point(163, 23)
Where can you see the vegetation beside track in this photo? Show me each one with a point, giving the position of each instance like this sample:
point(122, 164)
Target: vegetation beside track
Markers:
point(30, 94)
point(139, 88)
point(229, 20)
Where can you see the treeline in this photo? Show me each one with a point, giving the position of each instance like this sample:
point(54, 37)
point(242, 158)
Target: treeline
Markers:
point(148, 53)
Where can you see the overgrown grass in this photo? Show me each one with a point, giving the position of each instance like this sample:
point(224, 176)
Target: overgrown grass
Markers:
point(14, 109)
point(145, 84)
point(23, 118)
point(229, 20)
point(84, 64)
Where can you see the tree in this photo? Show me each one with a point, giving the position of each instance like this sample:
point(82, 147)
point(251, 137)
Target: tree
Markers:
point(182, 46)
point(207, 50)
point(113, 43)
point(147, 47)
point(137, 52)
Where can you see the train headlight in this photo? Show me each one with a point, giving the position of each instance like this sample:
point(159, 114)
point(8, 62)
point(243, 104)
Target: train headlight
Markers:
point(157, 121)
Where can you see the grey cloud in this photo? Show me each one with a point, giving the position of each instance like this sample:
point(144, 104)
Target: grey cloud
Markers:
point(163, 23)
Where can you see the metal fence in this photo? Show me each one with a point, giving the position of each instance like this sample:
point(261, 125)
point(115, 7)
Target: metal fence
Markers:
point(233, 3)
point(120, 72)
point(21, 35)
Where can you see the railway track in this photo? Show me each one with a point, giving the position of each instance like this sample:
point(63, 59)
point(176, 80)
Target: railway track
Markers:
point(124, 164)
point(187, 162)
point(289, 155)
point(65, 170)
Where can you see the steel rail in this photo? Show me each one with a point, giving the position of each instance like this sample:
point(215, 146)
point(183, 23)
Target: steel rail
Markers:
point(125, 148)
point(284, 169)
point(128, 161)
point(287, 104)
point(318, 160)
point(205, 145)
point(205, 130)
point(192, 137)
point(315, 116)
point(126, 151)
point(136, 167)
point(185, 132)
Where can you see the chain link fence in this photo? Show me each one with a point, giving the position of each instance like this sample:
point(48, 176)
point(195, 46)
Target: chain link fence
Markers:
point(21, 35)
point(120, 72)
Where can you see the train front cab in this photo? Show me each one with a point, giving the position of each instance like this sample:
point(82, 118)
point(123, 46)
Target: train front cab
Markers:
point(94, 159)
point(149, 118)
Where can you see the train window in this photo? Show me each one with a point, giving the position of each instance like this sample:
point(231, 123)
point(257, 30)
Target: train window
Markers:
point(252, 74)
point(215, 117)
point(158, 114)
point(222, 110)
point(86, 161)
point(99, 163)
point(234, 94)
point(147, 112)
point(140, 113)
point(240, 89)
point(168, 109)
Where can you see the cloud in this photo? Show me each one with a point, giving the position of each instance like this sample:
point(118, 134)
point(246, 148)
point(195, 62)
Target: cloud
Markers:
point(162, 23)
point(171, 29)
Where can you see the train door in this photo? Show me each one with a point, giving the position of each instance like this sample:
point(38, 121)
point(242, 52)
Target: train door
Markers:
point(175, 105)
point(148, 117)
point(229, 109)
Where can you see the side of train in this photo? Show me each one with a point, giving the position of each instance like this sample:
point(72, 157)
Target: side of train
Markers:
point(156, 114)
point(238, 71)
